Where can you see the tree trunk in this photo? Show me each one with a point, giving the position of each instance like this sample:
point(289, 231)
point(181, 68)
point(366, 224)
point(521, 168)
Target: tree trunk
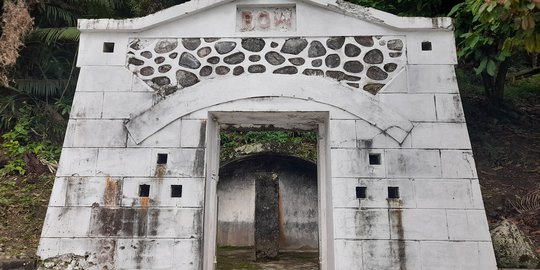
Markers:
point(494, 85)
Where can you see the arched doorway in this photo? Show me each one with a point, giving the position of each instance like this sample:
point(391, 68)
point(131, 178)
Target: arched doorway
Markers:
point(297, 200)
point(268, 203)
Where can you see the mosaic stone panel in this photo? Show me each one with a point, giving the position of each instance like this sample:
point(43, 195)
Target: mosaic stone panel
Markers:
point(362, 62)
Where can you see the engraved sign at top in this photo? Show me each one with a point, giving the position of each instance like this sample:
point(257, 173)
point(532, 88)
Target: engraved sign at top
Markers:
point(266, 19)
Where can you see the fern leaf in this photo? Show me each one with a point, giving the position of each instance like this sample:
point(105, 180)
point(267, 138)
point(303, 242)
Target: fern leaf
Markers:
point(41, 87)
point(53, 35)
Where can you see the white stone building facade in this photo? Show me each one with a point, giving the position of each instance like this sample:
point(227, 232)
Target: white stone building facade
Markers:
point(381, 90)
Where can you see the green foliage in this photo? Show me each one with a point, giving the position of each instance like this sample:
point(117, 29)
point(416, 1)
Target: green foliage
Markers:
point(19, 141)
point(411, 8)
point(53, 35)
point(498, 29)
point(490, 35)
point(145, 7)
point(301, 144)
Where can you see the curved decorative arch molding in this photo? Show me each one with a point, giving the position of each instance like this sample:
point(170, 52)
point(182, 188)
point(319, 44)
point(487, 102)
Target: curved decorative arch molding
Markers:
point(320, 90)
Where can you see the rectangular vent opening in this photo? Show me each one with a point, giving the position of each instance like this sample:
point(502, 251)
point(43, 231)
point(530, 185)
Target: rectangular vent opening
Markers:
point(176, 191)
point(144, 191)
point(361, 192)
point(427, 46)
point(108, 47)
point(374, 159)
point(162, 159)
point(393, 192)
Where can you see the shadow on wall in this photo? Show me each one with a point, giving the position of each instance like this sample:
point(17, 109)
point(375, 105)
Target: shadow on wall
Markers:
point(298, 202)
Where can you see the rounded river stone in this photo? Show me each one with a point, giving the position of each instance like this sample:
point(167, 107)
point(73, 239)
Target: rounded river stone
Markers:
point(353, 66)
point(355, 85)
point(213, 60)
point(210, 40)
point(382, 43)
point(374, 56)
point(191, 43)
point(253, 44)
point(146, 54)
point(137, 45)
point(395, 45)
point(395, 54)
point(338, 75)
point(352, 50)
point(351, 78)
point(286, 70)
point(205, 71)
point(332, 61)
point(316, 63)
point(164, 68)
point(235, 58)
point(335, 43)
point(390, 67)
point(376, 73)
point(313, 72)
point(186, 78)
point(256, 69)
point(238, 70)
point(373, 88)
point(136, 62)
point(254, 58)
point(159, 60)
point(161, 81)
point(224, 47)
point(274, 58)
point(173, 55)
point(222, 70)
point(365, 41)
point(189, 61)
point(204, 51)
point(147, 71)
point(274, 44)
point(166, 45)
point(294, 45)
point(298, 61)
point(316, 49)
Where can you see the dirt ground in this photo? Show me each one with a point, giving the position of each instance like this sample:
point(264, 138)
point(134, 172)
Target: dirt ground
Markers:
point(243, 259)
point(506, 146)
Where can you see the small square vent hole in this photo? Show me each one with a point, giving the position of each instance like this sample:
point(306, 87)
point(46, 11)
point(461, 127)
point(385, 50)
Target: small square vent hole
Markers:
point(427, 46)
point(108, 47)
point(374, 159)
point(144, 191)
point(176, 191)
point(393, 192)
point(361, 192)
point(162, 159)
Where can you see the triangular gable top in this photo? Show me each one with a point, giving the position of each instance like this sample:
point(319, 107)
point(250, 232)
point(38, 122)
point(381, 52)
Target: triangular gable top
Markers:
point(195, 6)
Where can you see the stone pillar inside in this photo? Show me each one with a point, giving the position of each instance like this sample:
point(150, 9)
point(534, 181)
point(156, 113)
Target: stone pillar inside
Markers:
point(266, 216)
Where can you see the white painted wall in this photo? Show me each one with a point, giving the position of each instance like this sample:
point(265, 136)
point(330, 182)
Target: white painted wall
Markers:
point(118, 126)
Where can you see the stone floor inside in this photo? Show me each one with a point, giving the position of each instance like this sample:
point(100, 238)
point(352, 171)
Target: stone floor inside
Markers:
point(234, 258)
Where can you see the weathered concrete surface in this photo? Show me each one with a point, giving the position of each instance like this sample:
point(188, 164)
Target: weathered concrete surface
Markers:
point(297, 201)
point(267, 221)
point(411, 116)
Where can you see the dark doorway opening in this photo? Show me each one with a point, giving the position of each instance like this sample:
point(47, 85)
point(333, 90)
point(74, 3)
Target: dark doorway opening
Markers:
point(268, 210)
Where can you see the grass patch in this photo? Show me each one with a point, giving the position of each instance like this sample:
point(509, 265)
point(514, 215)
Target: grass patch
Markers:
point(23, 204)
point(235, 258)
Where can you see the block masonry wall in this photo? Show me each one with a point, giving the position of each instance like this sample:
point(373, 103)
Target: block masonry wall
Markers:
point(96, 209)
